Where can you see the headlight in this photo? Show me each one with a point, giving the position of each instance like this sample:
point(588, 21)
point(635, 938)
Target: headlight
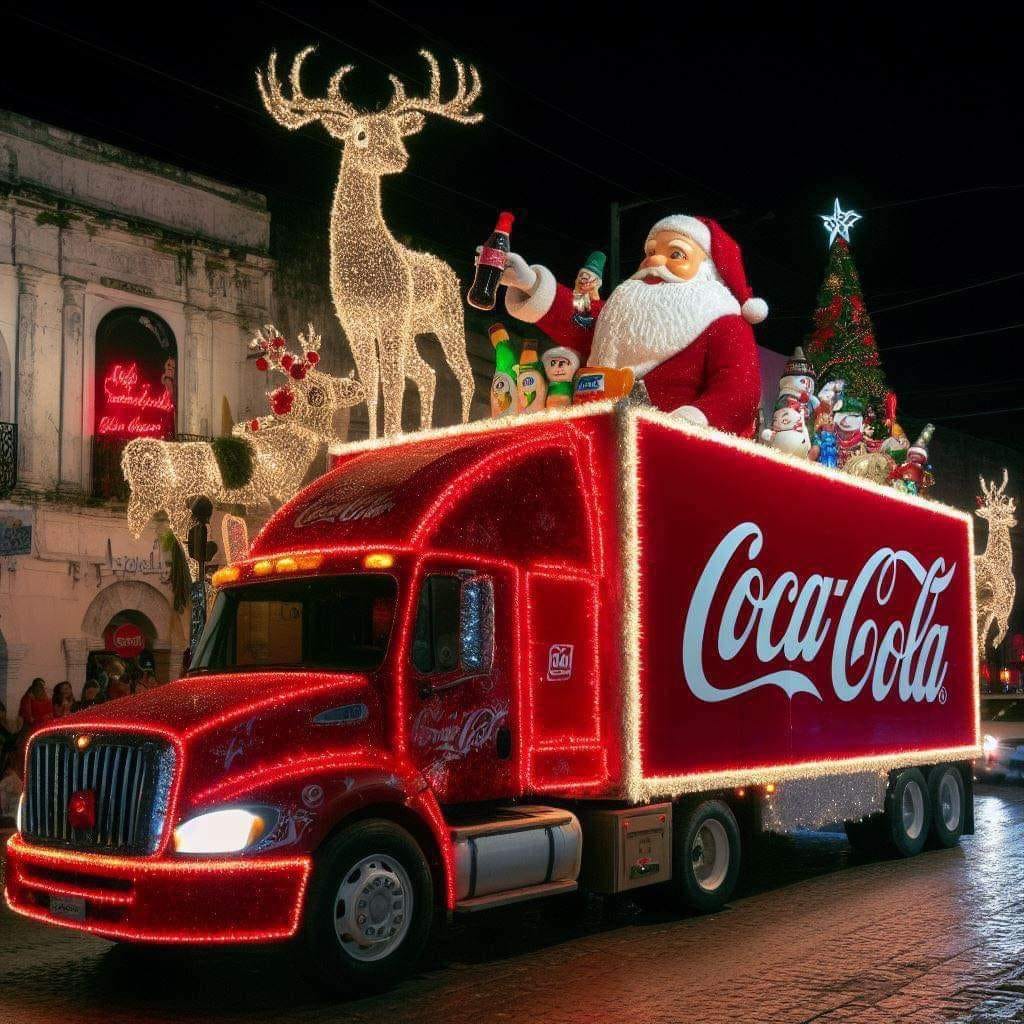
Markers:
point(224, 831)
point(989, 745)
point(19, 814)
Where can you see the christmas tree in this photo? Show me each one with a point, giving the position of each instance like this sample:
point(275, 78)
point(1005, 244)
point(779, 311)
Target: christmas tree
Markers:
point(842, 344)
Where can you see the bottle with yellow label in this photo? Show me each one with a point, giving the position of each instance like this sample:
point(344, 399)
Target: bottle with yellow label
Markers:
point(531, 384)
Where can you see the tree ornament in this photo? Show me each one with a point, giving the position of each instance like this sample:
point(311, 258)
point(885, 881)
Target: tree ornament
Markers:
point(254, 425)
point(298, 371)
point(381, 319)
point(839, 222)
point(312, 358)
point(278, 342)
point(995, 587)
point(287, 360)
point(262, 365)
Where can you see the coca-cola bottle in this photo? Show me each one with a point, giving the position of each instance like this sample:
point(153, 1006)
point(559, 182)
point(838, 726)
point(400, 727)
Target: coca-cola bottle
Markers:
point(483, 293)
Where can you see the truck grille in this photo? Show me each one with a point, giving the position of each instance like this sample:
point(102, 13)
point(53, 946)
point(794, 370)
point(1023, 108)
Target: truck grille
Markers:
point(130, 777)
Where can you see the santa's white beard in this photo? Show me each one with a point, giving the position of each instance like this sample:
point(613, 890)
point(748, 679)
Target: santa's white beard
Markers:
point(642, 325)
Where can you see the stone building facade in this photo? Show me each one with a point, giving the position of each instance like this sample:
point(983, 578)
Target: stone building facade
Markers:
point(94, 242)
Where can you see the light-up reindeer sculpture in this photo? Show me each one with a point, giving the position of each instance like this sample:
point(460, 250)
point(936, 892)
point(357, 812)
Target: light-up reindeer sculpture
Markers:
point(384, 293)
point(993, 569)
point(164, 476)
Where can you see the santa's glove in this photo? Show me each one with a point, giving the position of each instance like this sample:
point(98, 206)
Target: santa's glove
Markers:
point(517, 273)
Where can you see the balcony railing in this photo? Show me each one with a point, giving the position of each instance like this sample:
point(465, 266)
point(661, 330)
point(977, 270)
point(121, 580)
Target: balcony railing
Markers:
point(8, 458)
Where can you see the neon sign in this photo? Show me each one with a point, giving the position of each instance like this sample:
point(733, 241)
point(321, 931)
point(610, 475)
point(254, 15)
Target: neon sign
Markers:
point(133, 407)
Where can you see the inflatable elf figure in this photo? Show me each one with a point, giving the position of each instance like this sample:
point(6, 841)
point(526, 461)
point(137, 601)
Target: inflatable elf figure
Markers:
point(560, 366)
point(503, 383)
point(915, 475)
point(586, 289)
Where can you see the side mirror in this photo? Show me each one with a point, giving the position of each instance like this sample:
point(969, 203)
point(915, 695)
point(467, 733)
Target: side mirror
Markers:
point(476, 624)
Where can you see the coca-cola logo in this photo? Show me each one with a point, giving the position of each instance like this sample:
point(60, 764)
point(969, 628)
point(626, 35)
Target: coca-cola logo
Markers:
point(455, 734)
point(790, 620)
point(330, 509)
point(127, 640)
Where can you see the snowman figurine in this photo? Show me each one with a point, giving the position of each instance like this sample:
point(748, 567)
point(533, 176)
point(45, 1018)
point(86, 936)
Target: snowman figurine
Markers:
point(797, 382)
point(788, 432)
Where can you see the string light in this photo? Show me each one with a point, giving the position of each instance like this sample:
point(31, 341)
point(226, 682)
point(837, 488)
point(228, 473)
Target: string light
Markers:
point(384, 293)
point(995, 587)
point(165, 476)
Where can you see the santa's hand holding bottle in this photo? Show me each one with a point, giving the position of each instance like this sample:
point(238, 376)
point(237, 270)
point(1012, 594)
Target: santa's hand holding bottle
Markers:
point(682, 322)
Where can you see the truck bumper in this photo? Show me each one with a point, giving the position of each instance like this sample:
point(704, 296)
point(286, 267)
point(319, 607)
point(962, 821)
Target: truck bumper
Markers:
point(137, 899)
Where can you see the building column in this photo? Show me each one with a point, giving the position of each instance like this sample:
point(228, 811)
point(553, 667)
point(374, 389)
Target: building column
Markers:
point(17, 684)
point(196, 362)
point(26, 375)
point(76, 657)
point(72, 384)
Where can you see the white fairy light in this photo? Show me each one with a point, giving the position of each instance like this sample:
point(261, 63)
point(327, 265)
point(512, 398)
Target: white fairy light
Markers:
point(839, 222)
point(995, 586)
point(164, 476)
point(384, 293)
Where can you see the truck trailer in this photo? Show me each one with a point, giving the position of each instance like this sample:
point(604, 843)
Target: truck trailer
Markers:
point(588, 650)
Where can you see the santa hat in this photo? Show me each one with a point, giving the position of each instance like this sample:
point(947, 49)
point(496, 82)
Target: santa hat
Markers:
point(724, 253)
point(561, 352)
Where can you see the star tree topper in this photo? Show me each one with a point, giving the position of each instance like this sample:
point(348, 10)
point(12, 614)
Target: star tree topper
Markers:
point(839, 222)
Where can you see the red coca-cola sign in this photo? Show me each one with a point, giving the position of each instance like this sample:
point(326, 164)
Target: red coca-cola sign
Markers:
point(791, 618)
point(126, 640)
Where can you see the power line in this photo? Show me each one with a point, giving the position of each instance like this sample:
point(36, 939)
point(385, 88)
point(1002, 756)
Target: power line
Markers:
point(983, 412)
point(497, 124)
point(943, 195)
point(951, 337)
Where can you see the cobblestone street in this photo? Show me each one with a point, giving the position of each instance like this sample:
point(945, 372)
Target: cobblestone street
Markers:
point(815, 935)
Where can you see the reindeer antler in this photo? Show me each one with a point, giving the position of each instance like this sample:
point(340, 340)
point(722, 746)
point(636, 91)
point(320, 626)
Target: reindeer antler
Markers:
point(995, 496)
point(455, 109)
point(298, 109)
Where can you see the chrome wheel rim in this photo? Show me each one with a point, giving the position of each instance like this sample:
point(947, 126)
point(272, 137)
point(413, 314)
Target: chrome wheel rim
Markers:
point(912, 810)
point(709, 855)
point(949, 802)
point(373, 908)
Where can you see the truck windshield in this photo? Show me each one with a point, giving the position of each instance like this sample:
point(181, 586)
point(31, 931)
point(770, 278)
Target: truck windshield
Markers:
point(338, 622)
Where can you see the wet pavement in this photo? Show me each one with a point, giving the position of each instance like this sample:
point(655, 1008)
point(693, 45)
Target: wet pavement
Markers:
point(815, 934)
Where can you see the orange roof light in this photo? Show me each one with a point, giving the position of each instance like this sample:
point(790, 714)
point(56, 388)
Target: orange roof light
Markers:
point(228, 574)
point(286, 564)
point(311, 561)
point(379, 560)
point(263, 567)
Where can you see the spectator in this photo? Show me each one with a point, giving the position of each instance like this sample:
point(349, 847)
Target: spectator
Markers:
point(36, 706)
point(90, 695)
point(10, 785)
point(63, 699)
point(148, 681)
point(36, 710)
point(118, 686)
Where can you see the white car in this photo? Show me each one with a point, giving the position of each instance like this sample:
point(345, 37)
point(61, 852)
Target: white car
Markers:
point(1002, 730)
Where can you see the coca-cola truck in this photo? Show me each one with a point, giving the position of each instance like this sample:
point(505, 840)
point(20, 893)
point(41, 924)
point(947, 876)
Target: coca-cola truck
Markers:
point(590, 650)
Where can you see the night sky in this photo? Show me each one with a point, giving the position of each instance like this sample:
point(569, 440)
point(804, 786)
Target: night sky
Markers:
point(757, 120)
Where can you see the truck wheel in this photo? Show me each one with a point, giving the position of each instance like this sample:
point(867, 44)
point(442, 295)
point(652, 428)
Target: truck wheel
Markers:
point(369, 910)
point(909, 812)
point(705, 855)
point(948, 800)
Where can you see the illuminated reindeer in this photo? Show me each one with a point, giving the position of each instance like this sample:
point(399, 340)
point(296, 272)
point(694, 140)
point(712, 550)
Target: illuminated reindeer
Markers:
point(164, 476)
point(384, 294)
point(993, 570)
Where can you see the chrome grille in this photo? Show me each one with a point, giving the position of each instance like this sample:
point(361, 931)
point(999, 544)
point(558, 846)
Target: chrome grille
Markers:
point(130, 777)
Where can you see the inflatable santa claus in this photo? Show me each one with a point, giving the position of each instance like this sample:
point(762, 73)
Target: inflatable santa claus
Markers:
point(682, 322)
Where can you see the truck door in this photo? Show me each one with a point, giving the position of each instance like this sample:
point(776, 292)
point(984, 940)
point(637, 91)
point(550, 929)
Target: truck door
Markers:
point(459, 720)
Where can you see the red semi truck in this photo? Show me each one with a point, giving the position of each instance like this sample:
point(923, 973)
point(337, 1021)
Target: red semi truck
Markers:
point(589, 649)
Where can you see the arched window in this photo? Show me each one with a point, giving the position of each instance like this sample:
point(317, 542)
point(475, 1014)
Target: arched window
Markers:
point(136, 390)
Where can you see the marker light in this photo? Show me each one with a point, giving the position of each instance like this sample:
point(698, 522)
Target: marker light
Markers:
point(228, 574)
point(286, 564)
point(225, 831)
point(379, 560)
point(19, 814)
point(263, 567)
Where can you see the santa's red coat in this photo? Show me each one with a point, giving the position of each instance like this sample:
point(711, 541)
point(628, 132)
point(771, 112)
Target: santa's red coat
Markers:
point(717, 373)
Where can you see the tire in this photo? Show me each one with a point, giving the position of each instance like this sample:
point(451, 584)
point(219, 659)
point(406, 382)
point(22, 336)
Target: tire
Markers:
point(705, 855)
point(948, 800)
point(908, 812)
point(378, 863)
